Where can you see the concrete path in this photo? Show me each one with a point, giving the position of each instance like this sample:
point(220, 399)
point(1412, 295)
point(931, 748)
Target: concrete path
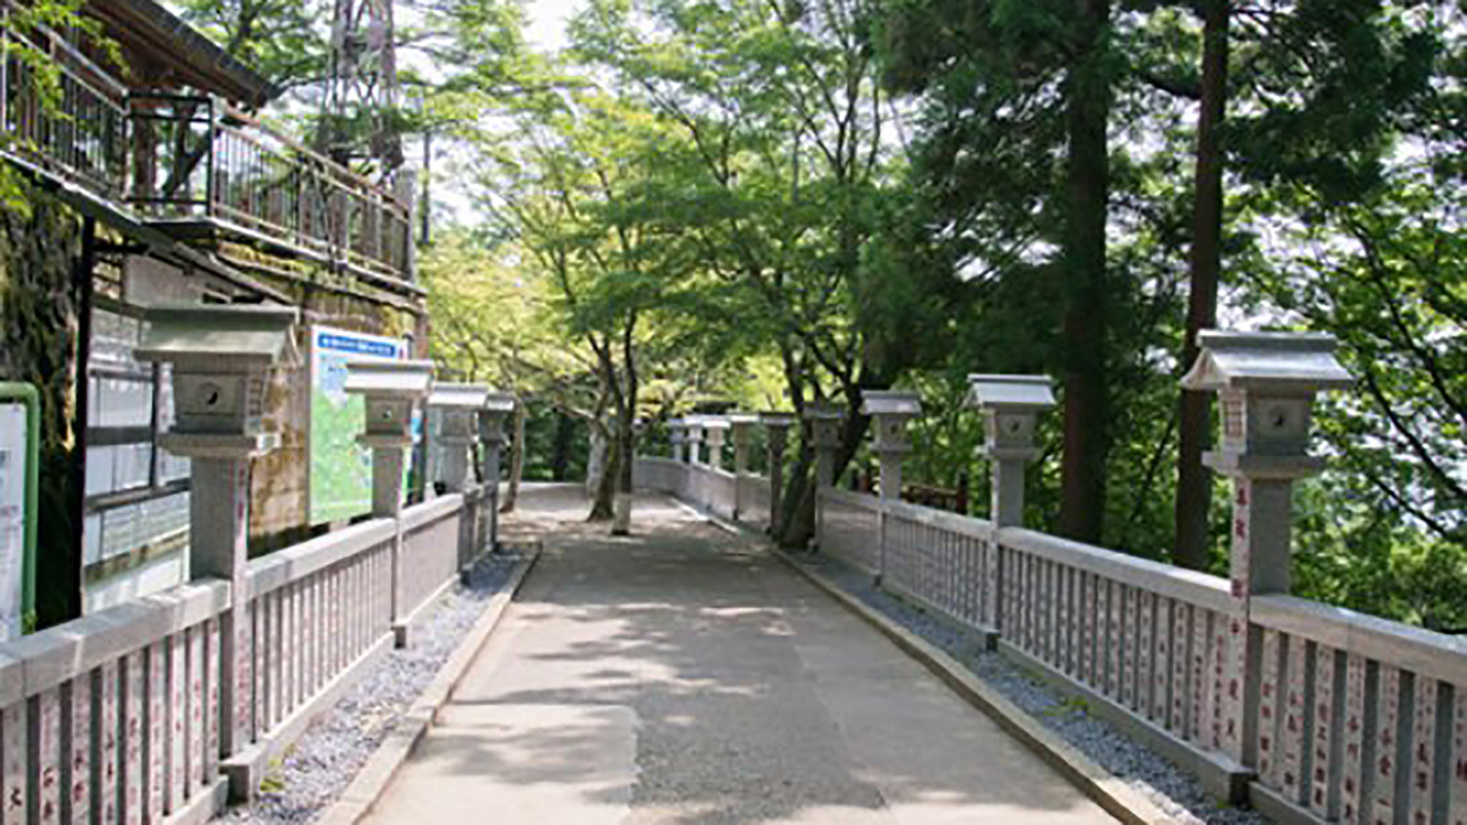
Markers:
point(682, 677)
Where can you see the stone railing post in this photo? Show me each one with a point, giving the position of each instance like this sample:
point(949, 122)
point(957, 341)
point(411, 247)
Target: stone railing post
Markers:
point(824, 419)
point(1010, 405)
point(1266, 384)
point(391, 388)
point(777, 427)
point(497, 406)
point(740, 426)
point(891, 410)
point(222, 359)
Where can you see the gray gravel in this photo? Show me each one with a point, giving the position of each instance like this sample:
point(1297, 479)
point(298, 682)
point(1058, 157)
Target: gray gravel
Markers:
point(1178, 794)
point(326, 758)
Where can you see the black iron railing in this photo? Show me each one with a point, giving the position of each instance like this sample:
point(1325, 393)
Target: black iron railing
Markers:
point(188, 159)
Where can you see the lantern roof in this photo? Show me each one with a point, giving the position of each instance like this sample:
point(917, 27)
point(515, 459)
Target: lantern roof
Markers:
point(1280, 361)
point(254, 335)
point(403, 379)
point(904, 403)
point(1011, 392)
point(458, 396)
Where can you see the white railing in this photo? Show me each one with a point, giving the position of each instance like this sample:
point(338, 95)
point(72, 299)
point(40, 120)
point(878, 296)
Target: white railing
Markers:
point(115, 717)
point(850, 528)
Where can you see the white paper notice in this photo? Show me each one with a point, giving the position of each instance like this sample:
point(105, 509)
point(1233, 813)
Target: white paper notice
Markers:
point(12, 516)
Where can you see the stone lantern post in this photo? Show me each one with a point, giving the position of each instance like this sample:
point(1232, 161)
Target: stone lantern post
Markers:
point(458, 406)
point(678, 434)
point(222, 358)
point(1010, 405)
point(695, 438)
point(824, 419)
point(715, 432)
point(891, 409)
point(777, 425)
point(497, 407)
point(1266, 385)
point(391, 388)
point(741, 425)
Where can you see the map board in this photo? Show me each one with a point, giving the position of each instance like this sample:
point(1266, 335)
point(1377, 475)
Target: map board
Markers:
point(341, 469)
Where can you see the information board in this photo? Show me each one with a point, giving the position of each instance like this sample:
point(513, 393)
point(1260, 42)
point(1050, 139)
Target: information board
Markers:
point(14, 472)
point(341, 469)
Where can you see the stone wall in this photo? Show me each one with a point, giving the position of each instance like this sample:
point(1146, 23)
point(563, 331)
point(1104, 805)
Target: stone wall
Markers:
point(40, 317)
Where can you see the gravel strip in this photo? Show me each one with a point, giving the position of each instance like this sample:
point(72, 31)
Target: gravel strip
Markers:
point(320, 765)
point(1176, 793)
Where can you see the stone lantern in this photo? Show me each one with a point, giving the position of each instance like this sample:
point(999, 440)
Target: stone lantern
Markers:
point(678, 434)
point(391, 388)
point(825, 420)
point(497, 407)
point(1266, 385)
point(222, 358)
point(715, 432)
point(740, 426)
point(458, 406)
point(695, 438)
point(777, 425)
point(891, 409)
point(1011, 405)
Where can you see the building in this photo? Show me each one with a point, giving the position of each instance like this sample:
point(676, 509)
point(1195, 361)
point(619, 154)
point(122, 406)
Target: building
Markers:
point(147, 176)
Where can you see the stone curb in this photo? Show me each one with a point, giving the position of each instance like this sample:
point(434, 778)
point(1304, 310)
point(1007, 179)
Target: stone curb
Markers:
point(373, 777)
point(1110, 792)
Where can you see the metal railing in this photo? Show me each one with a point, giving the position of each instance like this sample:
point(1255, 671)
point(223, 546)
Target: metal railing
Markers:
point(187, 158)
point(199, 161)
point(60, 111)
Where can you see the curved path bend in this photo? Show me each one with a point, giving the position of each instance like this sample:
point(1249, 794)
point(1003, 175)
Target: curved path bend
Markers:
point(684, 677)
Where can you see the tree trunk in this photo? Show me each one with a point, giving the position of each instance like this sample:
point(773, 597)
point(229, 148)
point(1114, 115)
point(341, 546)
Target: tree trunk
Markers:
point(1194, 482)
point(601, 476)
point(799, 502)
point(626, 450)
point(516, 460)
point(1082, 507)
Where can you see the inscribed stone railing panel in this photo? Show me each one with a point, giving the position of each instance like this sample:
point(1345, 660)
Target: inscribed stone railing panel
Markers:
point(1360, 719)
point(315, 609)
point(755, 501)
point(113, 717)
point(938, 558)
point(430, 549)
point(1150, 637)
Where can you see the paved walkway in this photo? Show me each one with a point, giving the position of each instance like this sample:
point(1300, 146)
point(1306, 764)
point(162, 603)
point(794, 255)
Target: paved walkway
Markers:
point(682, 677)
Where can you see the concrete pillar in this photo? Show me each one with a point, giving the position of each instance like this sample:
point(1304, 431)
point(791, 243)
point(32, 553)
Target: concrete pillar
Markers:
point(777, 426)
point(1266, 384)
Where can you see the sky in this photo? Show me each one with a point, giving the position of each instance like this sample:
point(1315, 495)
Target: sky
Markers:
point(547, 20)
